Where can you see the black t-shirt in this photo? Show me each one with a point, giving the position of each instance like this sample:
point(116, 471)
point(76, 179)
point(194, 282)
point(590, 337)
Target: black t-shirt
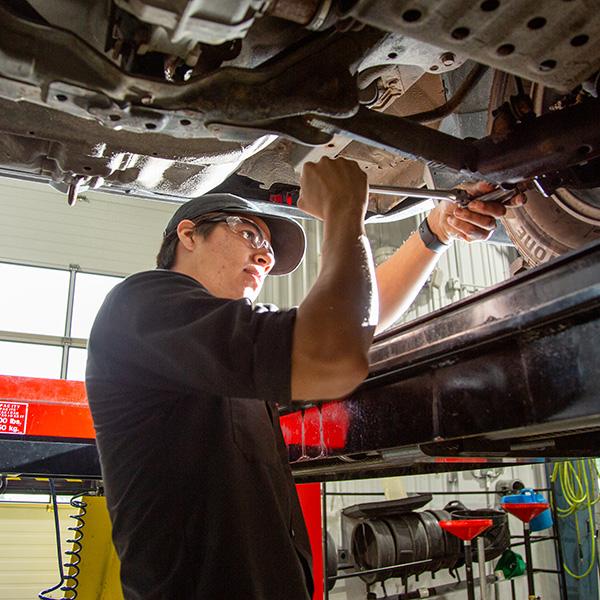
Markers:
point(182, 387)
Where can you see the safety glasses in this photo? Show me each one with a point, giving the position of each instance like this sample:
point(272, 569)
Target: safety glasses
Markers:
point(247, 229)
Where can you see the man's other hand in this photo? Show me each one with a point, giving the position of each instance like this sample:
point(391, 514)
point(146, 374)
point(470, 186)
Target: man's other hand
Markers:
point(474, 223)
point(333, 188)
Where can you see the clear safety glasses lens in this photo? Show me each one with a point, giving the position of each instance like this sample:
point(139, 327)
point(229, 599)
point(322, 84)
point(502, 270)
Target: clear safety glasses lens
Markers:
point(249, 231)
point(246, 229)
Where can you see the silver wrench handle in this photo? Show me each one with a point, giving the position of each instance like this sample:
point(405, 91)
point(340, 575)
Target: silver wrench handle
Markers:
point(451, 195)
point(456, 195)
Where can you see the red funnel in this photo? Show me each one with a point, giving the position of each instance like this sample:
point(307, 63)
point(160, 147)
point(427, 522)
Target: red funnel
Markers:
point(526, 510)
point(466, 529)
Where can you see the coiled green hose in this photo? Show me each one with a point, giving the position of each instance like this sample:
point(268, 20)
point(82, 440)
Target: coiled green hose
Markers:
point(572, 476)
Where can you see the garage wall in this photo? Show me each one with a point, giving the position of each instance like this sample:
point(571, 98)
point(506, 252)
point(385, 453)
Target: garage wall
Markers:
point(109, 234)
point(461, 271)
point(119, 235)
point(28, 555)
point(102, 233)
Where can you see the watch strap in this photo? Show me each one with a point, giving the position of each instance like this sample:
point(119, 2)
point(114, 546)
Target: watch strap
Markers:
point(431, 241)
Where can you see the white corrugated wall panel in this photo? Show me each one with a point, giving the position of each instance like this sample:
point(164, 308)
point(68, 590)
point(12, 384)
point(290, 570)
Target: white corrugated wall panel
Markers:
point(102, 233)
point(464, 269)
point(28, 556)
point(288, 291)
point(107, 233)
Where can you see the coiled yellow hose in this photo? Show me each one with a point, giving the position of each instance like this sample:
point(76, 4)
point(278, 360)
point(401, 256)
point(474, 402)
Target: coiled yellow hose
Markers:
point(572, 476)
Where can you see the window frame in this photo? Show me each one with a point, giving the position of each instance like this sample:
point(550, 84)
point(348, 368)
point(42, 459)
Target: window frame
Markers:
point(65, 341)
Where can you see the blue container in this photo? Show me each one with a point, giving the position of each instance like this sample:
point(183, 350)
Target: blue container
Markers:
point(543, 520)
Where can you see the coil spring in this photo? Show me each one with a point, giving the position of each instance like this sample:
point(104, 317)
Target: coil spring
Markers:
point(71, 567)
point(68, 571)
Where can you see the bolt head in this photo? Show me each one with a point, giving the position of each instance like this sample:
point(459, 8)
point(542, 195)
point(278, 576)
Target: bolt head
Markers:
point(448, 59)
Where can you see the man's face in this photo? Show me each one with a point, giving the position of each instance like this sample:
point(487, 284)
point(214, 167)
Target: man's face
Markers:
point(226, 263)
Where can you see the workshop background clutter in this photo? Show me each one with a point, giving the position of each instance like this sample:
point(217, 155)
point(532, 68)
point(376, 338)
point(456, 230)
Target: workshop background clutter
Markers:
point(57, 272)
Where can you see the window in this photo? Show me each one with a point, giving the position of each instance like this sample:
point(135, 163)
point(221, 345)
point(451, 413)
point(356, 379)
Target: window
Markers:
point(34, 331)
point(30, 360)
point(33, 300)
point(76, 364)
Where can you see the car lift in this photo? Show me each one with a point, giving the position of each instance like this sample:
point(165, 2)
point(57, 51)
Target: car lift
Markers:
point(509, 374)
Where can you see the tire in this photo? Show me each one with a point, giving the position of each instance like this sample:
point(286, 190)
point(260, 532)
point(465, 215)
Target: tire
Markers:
point(546, 227)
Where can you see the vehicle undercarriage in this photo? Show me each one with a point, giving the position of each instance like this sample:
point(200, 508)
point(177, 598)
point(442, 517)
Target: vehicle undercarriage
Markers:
point(172, 100)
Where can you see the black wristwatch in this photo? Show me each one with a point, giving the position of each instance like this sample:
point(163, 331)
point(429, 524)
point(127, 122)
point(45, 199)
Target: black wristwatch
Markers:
point(431, 240)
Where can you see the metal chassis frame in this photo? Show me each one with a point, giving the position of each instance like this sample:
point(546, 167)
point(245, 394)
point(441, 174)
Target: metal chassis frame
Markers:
point(279, 97)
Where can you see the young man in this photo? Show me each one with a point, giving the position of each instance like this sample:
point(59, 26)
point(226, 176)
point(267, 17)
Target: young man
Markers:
point(185, 375)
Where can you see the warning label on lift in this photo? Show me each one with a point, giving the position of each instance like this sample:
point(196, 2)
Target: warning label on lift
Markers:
point(13, 417)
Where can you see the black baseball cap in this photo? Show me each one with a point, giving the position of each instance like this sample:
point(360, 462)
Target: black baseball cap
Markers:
point(287, 236)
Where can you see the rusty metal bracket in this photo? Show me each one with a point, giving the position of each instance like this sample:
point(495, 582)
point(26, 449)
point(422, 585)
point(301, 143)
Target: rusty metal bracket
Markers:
point(549, 143)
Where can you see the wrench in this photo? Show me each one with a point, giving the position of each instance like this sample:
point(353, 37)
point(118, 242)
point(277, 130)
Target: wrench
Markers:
point(458, 196)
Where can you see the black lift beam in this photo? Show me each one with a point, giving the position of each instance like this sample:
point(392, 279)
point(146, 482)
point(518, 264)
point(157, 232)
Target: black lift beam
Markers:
point(509, 373)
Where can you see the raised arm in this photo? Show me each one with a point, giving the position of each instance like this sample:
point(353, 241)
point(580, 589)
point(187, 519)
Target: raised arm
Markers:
point(400, 278)
point(336, 321)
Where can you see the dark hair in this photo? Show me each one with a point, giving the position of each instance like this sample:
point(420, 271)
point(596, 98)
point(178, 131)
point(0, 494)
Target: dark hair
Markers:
point(166, 255)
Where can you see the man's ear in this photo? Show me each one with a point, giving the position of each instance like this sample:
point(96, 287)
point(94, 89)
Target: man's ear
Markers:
point(185, 233)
